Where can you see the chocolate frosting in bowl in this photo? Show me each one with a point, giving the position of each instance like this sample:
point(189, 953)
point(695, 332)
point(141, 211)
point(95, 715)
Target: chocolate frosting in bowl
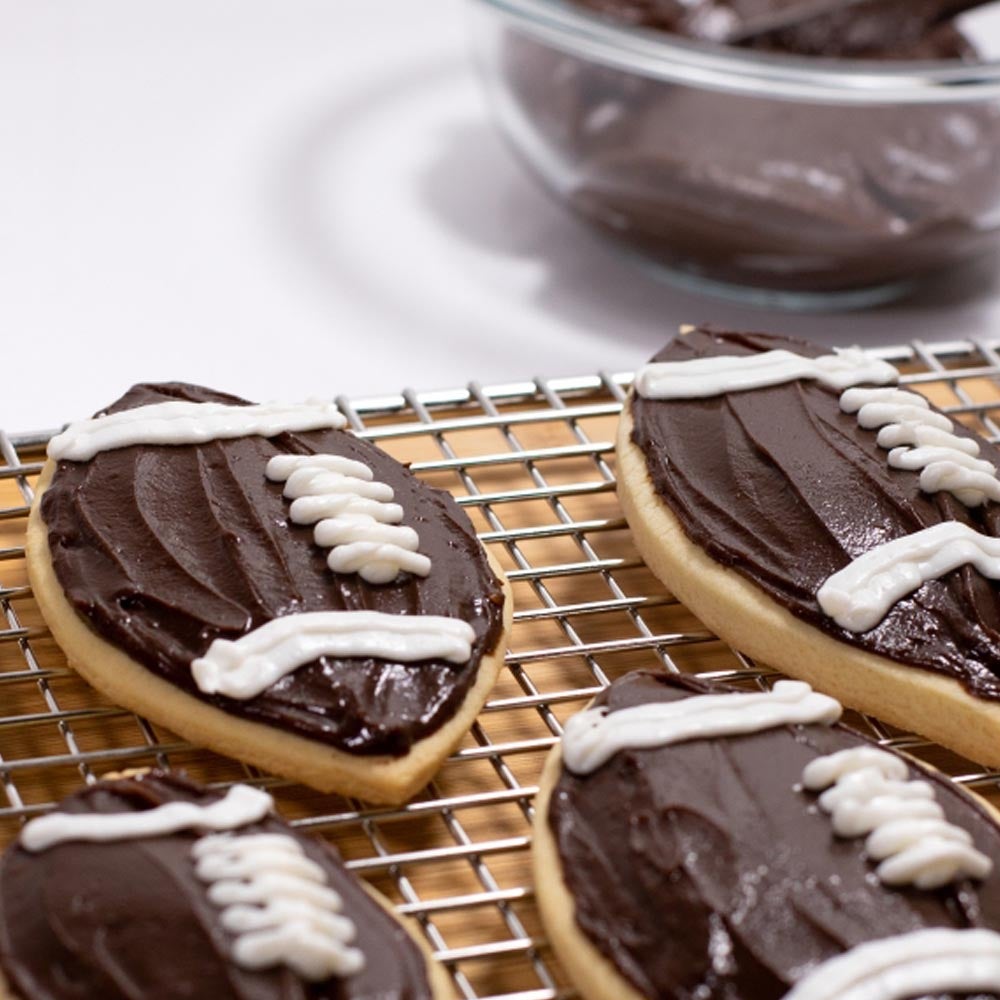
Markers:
point(874, 29)
point(163, 549)
point(786, 489)
point(130, 919)
point(703, 871)
point(813, 196)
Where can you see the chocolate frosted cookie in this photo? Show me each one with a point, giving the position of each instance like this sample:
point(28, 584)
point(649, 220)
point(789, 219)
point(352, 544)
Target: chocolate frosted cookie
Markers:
point(154, 887)
point(697, 843)
point(268, 585)
point(826, 522)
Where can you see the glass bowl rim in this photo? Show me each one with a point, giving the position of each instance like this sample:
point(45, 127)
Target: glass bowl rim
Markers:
point(665, 57)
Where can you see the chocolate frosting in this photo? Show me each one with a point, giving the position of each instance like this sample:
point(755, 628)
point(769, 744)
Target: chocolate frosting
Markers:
point(753, 190)
point(163, 549)
point(702, 872)
point(876, 29)
point(130, 920)
point(783, 487)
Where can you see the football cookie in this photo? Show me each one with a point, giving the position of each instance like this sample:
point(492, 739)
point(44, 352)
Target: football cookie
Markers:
point(154, 887)
point(700, 843)
point(267, 585)
point(824, 521)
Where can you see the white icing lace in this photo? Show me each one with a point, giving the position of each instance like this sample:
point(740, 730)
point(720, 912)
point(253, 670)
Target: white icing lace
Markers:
point(354, 516)
point(922, 963)
point(860, 595)
point(906, 827)
point(278, 904)
point(699, 378)
point(240, 806)
point(592, 737)
point(243, 668)
point(918, 438)
point(177, 422)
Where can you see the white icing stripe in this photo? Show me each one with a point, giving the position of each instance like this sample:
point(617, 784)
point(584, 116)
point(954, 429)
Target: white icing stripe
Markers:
point(860, 595)
point(852, 400)
point(353, 516)
point(242, 805)
point(703, 377)
point(244, 667)
point(946, 461)
point(919, 435)
point(973, 488)
point(182, 422)
point(906, 827)
point(594, 736)
point(278, 904)
point(929, 456)
point(920, 963)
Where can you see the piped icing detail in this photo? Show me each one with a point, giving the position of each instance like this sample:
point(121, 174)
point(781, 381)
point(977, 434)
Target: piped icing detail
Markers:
point(242, 668)
point(594, 736)
point(240, 806)
point(354, 516)
point(699, 378)
point(920, 439)
point(868, 793)
point(860, 595)
point(924, 962)
point(179, 422)
point(278, 904)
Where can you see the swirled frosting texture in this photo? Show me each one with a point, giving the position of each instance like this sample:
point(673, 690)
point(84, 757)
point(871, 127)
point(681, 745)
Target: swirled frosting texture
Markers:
point(702, 872)
point(133, 919)
point(164, 549)
point(784, 487)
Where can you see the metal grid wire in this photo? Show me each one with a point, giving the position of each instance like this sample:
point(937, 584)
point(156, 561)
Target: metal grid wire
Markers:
point(532, 462)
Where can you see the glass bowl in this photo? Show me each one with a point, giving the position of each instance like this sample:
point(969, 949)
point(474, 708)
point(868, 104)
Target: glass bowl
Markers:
point(783, 179)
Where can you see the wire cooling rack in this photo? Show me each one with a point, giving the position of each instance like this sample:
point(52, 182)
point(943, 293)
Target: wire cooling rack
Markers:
point(532, 463)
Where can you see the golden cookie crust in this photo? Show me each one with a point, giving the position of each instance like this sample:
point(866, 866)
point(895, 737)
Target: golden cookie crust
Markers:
point(594, 976)
point(933, 705)
point(380, 779)
point(440, 982)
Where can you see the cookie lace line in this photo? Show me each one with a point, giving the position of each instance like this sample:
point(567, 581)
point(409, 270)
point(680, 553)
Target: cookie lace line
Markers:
point(860, 595)
point(918, 438)
point(869, 793)
point(593, 736)
point(278, 905)
point(241, 805)
point(931, 961)
point(177, 422)
point(353, 515)
point(242, 668)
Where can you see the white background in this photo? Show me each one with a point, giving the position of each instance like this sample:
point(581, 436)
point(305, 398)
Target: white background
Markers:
point(291, 197)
